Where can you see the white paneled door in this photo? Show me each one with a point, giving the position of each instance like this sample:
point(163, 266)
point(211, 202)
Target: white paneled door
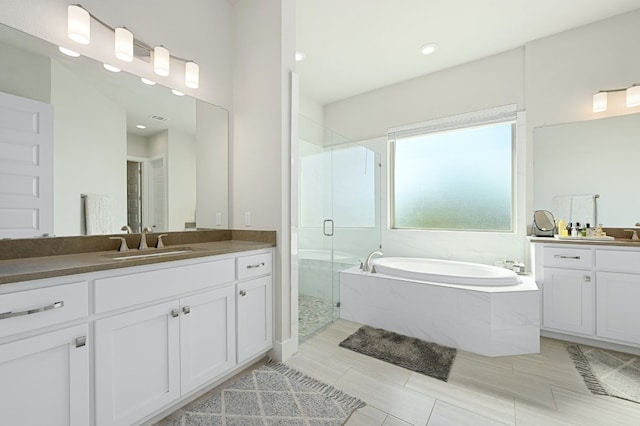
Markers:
point(26, 167)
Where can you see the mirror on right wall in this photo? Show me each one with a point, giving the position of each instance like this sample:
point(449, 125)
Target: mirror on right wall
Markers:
point(591, 157)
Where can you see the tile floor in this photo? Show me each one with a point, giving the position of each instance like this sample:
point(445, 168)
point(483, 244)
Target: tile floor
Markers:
point(541, 389)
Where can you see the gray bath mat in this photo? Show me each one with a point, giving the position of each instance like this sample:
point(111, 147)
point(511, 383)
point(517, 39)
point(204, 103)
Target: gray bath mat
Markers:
point(607, 372)
point(274, 394)
point(414, 354)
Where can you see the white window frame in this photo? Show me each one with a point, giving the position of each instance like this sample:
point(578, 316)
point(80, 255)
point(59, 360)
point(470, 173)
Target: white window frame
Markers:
point(502, 114)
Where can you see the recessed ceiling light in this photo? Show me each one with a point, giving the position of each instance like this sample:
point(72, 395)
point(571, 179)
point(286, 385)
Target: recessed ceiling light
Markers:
point(68, 52)
point(177, 92)
point(141, 126)
point(147, 81)
point(111, 68)
point(300, 56)
point(428, 49)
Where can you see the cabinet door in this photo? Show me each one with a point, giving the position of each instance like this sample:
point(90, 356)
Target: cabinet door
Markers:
point(254, 317)
point(45, 379)
point(207, 336)
point(618, 313)
point(568, 300)
point(137, 363)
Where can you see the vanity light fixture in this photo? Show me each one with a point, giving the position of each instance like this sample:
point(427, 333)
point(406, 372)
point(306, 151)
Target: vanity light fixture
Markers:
point(147, 81)
point(68, 52)
point(78, 24)
point(111, 68)
point(126, 47)
point(632, 95)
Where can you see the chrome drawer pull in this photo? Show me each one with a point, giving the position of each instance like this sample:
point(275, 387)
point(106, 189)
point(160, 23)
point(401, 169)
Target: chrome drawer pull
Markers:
point(81, 341)
point(186, 309)
point(55, 305)
point(257, 265)
point(175, 313)
point(562, 256)
point(243, 292)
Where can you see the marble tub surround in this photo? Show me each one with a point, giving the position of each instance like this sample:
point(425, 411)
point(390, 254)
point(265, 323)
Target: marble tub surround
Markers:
point(29, 259)
point(491, 321)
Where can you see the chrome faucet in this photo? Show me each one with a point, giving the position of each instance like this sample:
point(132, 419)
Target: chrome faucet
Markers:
point(366, 266)
point(143, 238)
point(126, 228)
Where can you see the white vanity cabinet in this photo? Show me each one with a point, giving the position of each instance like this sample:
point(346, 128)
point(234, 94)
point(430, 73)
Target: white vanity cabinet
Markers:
point(44, 360)
point(618, 295)
point(567, 289)
point(590, 291)
point(150, 356)
point(254, 305)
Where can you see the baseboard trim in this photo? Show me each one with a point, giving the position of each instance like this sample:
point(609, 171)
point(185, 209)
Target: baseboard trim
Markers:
point(282, 351)
point(591, 342)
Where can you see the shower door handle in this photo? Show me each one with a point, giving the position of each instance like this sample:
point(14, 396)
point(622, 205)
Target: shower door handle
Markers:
point(324, 228)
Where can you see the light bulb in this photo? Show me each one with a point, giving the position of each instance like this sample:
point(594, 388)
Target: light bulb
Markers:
point(600, 102)
point(633, 96)
point(78, 24)
point(124, 44)
point(161, 61)
point(68, 52)
point(192, 75)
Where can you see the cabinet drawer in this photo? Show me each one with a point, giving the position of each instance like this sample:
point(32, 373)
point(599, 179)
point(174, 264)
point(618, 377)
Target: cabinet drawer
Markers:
point(135, 288)
point(253, 266)
point(618, 261)
point(32, 309)
point(568, 257)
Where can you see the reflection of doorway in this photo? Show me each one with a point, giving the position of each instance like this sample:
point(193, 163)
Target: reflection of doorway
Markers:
point(134, 195)
point(147, 193)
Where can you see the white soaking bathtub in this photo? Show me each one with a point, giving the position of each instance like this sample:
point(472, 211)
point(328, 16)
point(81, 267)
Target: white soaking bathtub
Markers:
point(478, 308)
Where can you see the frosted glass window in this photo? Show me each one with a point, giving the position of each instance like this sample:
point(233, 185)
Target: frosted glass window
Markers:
point(457, 180)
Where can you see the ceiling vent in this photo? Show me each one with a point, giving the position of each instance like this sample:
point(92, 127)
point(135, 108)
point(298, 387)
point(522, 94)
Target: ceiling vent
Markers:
point(159, 117)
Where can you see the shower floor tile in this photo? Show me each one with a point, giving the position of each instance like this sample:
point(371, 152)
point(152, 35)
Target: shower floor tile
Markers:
point(313, 314)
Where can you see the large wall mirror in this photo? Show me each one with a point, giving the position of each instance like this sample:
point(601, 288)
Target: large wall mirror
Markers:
point(591, 157)
point(160, 158)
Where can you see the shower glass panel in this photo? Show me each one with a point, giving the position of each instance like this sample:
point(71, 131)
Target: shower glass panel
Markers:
point(339, 222)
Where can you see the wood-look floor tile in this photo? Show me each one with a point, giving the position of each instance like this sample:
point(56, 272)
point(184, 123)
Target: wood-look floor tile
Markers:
point(405, 404)
point(597, 409)
point(367, 416)
point(445, 414)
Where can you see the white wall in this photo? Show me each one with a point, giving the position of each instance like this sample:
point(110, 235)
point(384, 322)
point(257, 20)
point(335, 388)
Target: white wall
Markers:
point(263, 57)
point(25, 74)
point(553, 79)
point(90, 143)
point(487, 83)
point(181, 173)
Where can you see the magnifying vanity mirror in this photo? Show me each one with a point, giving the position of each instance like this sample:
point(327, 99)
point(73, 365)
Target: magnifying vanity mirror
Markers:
point(162, 159)
point(543, 223)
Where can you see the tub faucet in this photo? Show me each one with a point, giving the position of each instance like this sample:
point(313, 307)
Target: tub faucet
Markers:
point(366, 266)
point(143, 238)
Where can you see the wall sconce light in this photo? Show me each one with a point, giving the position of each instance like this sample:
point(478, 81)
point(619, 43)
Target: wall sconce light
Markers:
point(126, 47)
point(632, 94)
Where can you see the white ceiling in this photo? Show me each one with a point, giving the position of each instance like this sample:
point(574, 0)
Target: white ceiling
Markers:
point(354, 46)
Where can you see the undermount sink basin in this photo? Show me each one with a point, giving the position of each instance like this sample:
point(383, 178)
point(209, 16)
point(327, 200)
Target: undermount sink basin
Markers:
point(144, 254)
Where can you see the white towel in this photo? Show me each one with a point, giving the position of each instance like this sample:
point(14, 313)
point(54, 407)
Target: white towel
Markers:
point(98, 211)
point(576, 208)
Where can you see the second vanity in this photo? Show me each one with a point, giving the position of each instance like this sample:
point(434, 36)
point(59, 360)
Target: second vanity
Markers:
point(103, 343)
point(590, 291)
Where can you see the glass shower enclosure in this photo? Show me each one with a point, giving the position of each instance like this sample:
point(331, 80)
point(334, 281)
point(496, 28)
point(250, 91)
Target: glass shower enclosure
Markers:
point(339, 223)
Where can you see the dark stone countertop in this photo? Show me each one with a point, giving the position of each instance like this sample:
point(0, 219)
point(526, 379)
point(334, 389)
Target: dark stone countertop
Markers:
point(15, 269)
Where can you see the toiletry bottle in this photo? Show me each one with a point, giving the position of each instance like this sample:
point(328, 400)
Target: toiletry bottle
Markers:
point(568, 230)
point(561, 228)
point(574, 230)
point(583, 231)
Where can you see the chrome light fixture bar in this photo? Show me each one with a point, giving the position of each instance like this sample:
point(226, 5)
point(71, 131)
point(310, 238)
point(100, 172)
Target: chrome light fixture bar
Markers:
point(600, 99)
point(126, 47)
